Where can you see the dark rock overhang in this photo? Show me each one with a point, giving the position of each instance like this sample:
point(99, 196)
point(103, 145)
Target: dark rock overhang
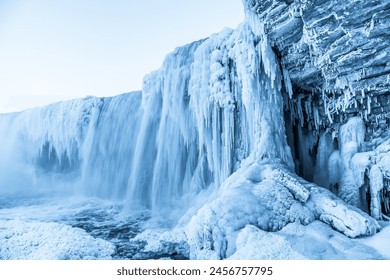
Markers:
point(337, 54)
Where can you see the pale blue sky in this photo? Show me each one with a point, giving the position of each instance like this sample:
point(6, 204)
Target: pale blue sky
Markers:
point(52, 49)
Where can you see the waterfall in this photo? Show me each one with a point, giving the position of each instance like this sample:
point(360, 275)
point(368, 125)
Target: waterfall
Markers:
point(203, 147)
point(213, 104)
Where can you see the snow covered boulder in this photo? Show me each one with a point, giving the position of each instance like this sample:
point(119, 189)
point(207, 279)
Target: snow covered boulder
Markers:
point(268, 197)
point(341, 216)
point(316, 241)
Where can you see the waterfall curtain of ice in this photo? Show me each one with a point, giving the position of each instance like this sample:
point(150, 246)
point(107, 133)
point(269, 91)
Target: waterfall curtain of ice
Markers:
point(203, 149)
point(213, 104)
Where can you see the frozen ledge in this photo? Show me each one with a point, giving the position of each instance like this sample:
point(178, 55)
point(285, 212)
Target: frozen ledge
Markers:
point(269, 197)
point(344, 218)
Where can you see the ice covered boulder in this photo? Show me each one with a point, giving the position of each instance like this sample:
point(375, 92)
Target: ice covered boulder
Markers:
point(297, 242)
point(262, 196)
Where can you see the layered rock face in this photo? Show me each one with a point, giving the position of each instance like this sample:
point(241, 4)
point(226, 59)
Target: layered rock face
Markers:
point(327, 43)
point(337, 56)
point(338, 49)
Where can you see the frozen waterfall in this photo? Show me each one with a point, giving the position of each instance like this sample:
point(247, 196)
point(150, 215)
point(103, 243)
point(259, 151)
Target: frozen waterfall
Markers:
point(205, 139)
point(213, 104)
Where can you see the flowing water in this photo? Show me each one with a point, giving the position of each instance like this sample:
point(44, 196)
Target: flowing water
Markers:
point(100, 219)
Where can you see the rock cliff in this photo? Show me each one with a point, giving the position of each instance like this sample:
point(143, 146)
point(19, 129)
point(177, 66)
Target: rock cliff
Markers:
point(337, 56)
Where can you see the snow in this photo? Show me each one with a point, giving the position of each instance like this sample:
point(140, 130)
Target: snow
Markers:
point(315, 241)
point(384, 163)
point(164, 242)
point(297, 242)
point(268, 204)
point(252, 244)
point(341, 216)
point(23, 240)
point(380, 241)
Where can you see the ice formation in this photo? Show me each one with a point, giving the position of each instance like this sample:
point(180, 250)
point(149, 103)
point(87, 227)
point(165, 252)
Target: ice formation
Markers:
point(296, 242)
point(21, 240)
point(223, 143)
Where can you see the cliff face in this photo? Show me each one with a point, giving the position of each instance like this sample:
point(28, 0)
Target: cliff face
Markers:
point(336, 52)
point(337, 56)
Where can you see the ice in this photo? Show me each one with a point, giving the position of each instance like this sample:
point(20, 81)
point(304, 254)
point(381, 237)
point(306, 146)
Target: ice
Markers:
point(376, 186)
point(262, 201)
point(351, 141)
point(360, 164)
point(335, 167)
point(162, 242)
point(53, 130)
point(297, 242)
point(25, 240)
point(294, 241)
point(255, 244)
point(357, 169)
point(352, 132)
point(384, 163)
point(256, 196)
point(341, 216)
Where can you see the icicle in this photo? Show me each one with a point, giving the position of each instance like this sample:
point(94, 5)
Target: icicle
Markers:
point(351, 141)
point(328, 114)
point(360, 162)
point(300, 111)
point(352, 131)
point(317, 119)
point(376, 186)
point(287, 81)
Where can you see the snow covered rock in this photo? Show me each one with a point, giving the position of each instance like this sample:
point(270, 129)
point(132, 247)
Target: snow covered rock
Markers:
point(297, 242)
point(268, 204)
point(25, 240)
point(341, 216)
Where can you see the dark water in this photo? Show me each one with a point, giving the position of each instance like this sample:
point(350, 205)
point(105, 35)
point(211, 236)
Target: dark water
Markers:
point(102, 224)
point(100, 219)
